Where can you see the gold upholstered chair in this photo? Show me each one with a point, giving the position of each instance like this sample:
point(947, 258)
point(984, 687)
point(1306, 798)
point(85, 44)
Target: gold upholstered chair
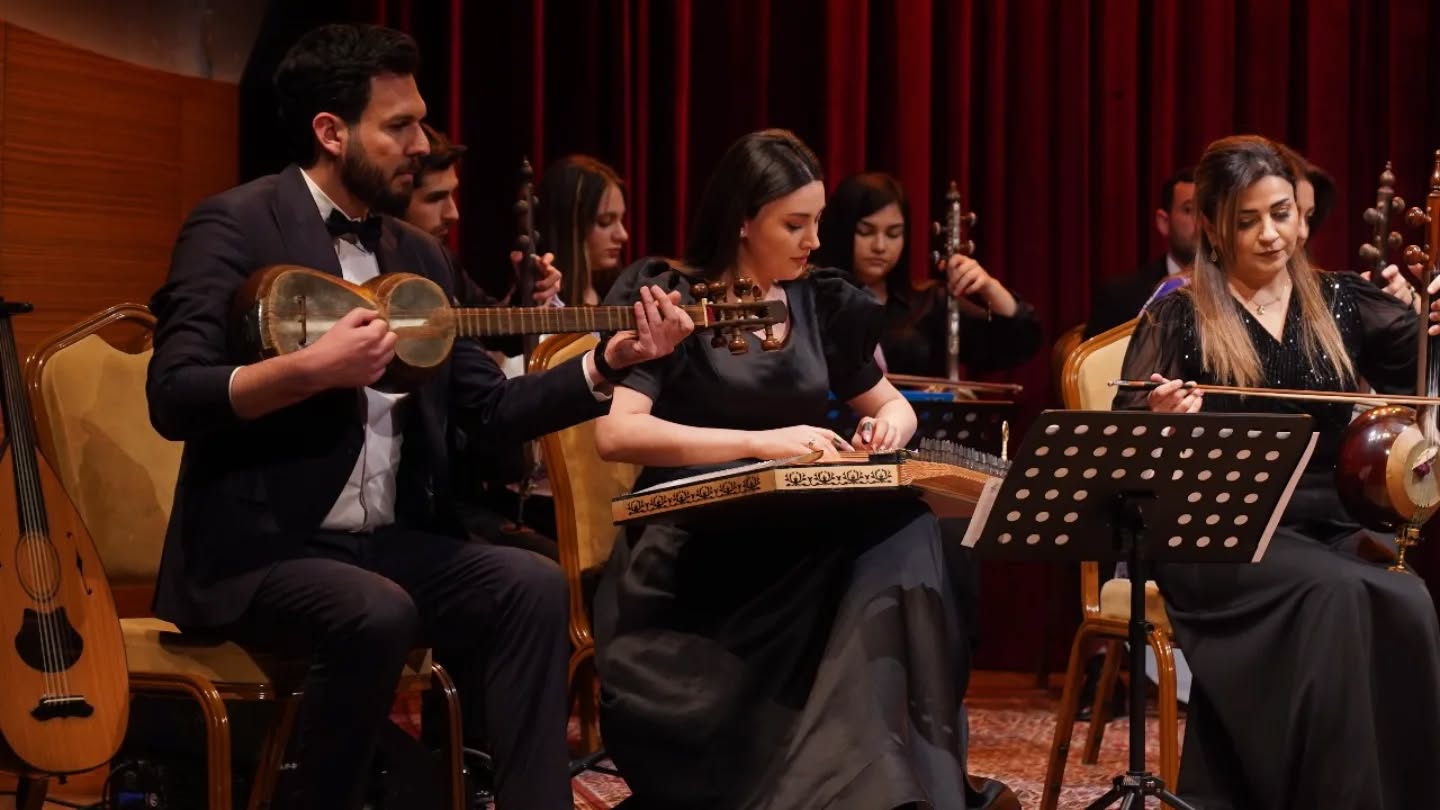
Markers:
point(87, 389)
point(1085, 379)
point(583, 485)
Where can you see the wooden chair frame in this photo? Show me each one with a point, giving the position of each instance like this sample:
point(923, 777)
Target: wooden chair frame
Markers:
point(211, 695)
point(582, 677)
point(1112, 632)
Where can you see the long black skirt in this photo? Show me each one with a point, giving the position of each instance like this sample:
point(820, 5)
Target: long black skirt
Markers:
point(813, 662)
point(1317, 674)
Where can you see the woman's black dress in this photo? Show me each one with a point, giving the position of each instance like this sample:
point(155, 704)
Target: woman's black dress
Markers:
point(1317, 674)
point(767, 659)
point(916, 333)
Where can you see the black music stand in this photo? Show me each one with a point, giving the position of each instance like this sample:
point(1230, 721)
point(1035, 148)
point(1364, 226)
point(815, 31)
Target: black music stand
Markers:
point(1144, 487)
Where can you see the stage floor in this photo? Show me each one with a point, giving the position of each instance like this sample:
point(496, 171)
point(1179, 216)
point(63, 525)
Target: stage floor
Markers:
point(1011, 725)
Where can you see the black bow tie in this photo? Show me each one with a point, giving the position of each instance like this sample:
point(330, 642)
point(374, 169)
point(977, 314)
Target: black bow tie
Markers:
point(365, 231)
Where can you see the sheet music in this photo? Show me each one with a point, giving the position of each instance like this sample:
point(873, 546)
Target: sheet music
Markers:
point(982, 512)
point(1285, 499)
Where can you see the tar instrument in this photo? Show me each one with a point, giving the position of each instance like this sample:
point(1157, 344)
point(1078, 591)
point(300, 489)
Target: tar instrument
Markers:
point(1386, 473)
point(284, 308)
point(66, 697)
point(954, 238)
point(1382, 240)
point(527, 241)
point(949, 477)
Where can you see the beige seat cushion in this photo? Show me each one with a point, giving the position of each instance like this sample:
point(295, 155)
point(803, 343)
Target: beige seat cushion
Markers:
point(153, 645)
point(1115, 603)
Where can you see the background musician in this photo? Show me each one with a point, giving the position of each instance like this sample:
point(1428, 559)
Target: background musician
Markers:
point(863, 233)
point(313, 513)
point(775, 659)
point(482, 471)
point(581, 219)
point(1117, 302)
point(1312, 656)
point(1314, 197)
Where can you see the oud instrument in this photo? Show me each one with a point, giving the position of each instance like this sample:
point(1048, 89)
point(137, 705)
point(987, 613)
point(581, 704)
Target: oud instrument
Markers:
point(1386, 473)
point(284, 308)
point(954, 239)
point(1382, 240)
point(65, 700)
point(951, 478)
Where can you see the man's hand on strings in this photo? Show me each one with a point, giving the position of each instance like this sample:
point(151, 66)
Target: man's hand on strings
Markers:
point(353, 353)
point(660, 325)
point(1172, 397)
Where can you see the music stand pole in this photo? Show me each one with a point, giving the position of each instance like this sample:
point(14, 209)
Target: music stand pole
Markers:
point(1143, 487)
point(1137, 782)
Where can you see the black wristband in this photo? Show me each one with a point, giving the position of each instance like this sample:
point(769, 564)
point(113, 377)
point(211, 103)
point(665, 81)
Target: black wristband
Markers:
point(610, 374)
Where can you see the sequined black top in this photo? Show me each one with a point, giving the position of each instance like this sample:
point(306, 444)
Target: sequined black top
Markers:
point(1379, 333)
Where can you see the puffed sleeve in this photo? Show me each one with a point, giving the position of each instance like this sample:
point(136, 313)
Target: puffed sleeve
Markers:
point(1389, 331)
point(850, 323)
point(1157, 347)
point(649, 378)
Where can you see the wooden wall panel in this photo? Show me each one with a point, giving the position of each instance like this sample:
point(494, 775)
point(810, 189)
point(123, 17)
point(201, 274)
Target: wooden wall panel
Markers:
point(100, 160)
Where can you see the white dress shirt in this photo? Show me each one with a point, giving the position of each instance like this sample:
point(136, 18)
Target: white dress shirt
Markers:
point(368, 500)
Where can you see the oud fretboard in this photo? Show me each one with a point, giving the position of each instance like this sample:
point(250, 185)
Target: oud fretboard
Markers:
point(494, 321)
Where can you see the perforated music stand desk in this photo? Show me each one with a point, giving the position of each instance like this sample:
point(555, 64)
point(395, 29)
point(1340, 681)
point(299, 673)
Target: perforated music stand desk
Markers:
point(1143, 487)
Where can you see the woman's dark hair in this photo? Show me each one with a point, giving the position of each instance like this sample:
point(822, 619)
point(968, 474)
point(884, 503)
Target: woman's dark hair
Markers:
point(329, 70)
point(570, 194)
point(759, 168)
point(443, 153)
point(1320, 180)
point(853, 200)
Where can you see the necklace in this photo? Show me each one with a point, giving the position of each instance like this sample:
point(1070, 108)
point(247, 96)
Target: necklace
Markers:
point(1260, 307)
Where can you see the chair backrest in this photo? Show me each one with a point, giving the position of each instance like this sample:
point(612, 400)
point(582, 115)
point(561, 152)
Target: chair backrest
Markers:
point(88, 395)
point(1084, 381)
point(1084, 386)
point(583, 485)
point(1064, 347)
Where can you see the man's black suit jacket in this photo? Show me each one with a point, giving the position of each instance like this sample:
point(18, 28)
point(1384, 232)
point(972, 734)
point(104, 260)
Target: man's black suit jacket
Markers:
point(1121, 300)
point(250, 493)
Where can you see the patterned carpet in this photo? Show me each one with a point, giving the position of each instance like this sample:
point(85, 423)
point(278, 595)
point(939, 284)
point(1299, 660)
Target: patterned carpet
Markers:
point(1009, 740)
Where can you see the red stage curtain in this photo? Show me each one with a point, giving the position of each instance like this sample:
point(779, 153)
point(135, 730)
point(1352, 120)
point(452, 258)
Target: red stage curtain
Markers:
point(1057, 118)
